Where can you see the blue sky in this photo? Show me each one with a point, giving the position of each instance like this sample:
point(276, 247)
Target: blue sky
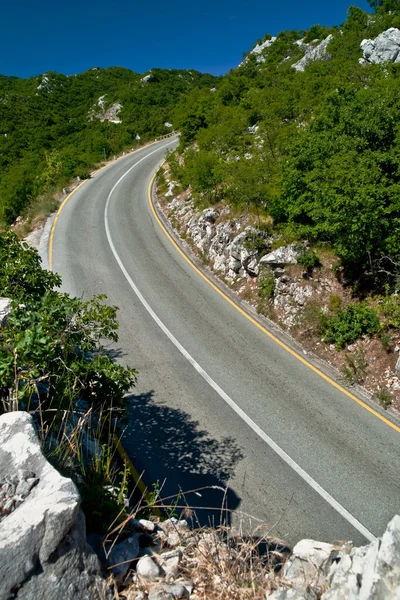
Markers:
point(70, 37)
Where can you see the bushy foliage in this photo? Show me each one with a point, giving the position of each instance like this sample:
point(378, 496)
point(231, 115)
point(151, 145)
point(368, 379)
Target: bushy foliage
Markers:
point(266, 286)
point(52, 345)
point(308, 259)
point(54, 360)
point(350, 323)
point(50, 127)
point(389, 309)
point(323, 158)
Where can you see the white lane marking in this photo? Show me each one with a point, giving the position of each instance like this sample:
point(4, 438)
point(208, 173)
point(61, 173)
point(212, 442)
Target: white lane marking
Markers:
point(281, 453)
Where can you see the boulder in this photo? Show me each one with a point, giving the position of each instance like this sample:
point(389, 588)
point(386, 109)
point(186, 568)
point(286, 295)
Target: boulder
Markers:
point(384, 48)
point(121, 555)
point(313, 53)
point(159, 594)
point(309, 565)
point(201, 229)
point(177, 590)
point(397, 368)
point(209, 215)
point(243, 257)
point(148, 568)
point(5, 309)
point(43, 549)
point(371, 571)
point(284, 255)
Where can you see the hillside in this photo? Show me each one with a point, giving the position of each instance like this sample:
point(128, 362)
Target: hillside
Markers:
point(300, 147)
point(53, 126)
point(285, 190)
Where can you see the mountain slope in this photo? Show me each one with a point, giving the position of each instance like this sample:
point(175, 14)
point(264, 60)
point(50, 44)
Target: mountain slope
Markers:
point(55, 126)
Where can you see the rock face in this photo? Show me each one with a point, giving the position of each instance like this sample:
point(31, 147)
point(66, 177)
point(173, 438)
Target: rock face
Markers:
point(238, 252)
point(372, 571)
point(384, 48)
point(5, 309)
point(314, 53)
point(368, 573)
point(258, 49)
point(284, 255)
point(102, 113)
point(43, 550)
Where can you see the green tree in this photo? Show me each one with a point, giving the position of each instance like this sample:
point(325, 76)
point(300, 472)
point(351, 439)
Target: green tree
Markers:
point(53, 341)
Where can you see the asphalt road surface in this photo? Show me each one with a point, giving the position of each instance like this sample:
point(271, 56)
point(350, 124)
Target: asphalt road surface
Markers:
point(219, 404)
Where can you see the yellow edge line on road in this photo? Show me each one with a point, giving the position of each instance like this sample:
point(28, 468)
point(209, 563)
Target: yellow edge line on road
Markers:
point(64, 202)
point(118, 444)
point(53, 227)
point(257, 324)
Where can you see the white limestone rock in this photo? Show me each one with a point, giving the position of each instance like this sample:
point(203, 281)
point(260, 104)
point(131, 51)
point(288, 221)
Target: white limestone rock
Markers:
point(284, 255)
point(43, 550)
point(5, 309)
point(369, 572)
point(309, 564)
point(384, 48)
point(258, 51)
point(148, 568)
point(313, 54)
point(259, 48)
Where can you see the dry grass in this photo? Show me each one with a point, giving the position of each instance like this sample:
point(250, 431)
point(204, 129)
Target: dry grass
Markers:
point(225, 566)
point(37, 213)
point(221, 562)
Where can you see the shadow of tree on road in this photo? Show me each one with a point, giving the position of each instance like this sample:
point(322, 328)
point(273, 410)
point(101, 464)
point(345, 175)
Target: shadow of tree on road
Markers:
point(169, 447)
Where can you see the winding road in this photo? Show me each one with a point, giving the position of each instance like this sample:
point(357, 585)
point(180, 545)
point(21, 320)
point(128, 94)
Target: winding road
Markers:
point(220, 404)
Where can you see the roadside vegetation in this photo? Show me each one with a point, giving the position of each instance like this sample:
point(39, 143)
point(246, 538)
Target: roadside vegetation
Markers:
point(56, 362)
point(55, 127)
point(313, 158)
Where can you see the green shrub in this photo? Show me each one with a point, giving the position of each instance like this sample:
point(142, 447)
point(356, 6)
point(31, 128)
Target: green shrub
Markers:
point(255, 242)
point(386, 343)
point(308, 259)
point(83, 175)
point(350, 323)
point(384, 397)
point(389, 309)
point(266, 286)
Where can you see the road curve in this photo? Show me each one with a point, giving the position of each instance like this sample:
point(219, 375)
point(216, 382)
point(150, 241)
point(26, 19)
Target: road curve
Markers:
point(315, 463)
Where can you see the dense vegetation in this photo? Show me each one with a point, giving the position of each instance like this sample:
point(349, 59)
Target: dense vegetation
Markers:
point(50, 127)
point(324, 162)
point(55, 363)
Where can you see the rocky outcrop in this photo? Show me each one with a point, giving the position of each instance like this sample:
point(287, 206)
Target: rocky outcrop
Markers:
point(43, 550)
point(44, 554)
point(290, 296)
point(319, 570)
point(5, 309)
point(284, 255)
point(237, 251)
point(232, 249)
point(384, 48)
point(103, 113)
point(259, 48)
point(313, 54)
